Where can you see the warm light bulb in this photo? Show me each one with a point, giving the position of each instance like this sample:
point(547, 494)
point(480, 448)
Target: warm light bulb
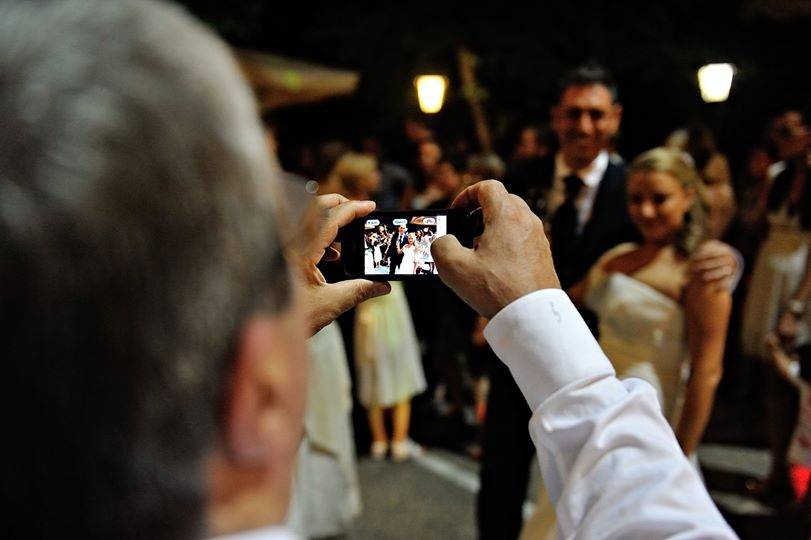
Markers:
point(430, 92)
point(715, 80)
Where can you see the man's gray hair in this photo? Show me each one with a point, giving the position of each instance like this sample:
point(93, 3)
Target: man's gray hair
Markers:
point(137, 232)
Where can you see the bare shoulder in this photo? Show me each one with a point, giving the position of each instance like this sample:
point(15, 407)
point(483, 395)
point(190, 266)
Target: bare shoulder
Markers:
point(630, 259)
point(618, 256)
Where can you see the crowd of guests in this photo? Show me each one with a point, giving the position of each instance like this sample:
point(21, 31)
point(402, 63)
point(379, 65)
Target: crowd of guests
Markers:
point(661, 254)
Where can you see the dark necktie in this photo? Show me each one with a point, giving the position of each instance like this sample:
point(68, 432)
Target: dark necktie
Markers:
point(564, 226)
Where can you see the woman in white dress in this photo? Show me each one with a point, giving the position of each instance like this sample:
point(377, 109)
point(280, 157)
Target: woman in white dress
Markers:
point(425, 262)
point(409, 263)
point(377, 255)
point(772, 301)
point(387, 354)
point(368, 253)
point(657, 322)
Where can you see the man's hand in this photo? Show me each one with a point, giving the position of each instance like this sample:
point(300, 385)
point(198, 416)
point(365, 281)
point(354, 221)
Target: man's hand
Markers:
point(324, 302)
point(715, 262)
point(511, 258)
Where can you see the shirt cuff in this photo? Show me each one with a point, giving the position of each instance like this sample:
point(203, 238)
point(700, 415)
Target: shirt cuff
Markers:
point(546, 345)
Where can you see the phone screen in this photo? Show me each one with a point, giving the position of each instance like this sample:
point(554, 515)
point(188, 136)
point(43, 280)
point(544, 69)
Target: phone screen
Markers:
point(401, 245)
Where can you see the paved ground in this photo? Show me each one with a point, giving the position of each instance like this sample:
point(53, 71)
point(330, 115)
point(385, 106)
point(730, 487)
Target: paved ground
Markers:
point(410, 500)
point(433, 496)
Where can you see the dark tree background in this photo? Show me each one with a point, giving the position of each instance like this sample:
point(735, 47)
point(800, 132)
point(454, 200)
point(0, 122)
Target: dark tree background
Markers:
point(653, 47)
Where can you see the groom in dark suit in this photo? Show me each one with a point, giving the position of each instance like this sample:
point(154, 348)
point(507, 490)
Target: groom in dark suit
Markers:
point(394, 251)
point(580, 194)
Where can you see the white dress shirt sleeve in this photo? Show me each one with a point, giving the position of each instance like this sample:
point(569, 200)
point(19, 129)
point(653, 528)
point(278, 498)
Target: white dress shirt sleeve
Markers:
point(609, 459)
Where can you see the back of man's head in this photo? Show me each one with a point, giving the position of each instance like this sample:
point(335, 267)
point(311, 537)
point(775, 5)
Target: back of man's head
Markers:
point(136, 233)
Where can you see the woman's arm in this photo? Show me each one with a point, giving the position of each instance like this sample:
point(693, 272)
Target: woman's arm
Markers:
point(707, 313)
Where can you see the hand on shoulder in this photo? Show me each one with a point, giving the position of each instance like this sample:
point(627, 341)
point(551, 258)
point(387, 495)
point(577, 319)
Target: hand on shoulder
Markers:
point(715, 263)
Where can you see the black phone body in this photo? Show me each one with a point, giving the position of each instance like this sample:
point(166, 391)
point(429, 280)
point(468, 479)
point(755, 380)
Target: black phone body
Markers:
point(396, 245)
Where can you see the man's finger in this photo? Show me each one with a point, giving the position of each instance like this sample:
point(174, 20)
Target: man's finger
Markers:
point(331, 254)
point(716, 274)
point(346, 212)
point(332, 220)
point(711, 249)
point(345, 295)
point(488, 194)
point(714, 263)
point(330, 200)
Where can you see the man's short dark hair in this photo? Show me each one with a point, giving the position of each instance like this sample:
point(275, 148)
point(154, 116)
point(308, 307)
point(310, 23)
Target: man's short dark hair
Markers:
point(137, 233)
point(587, 75)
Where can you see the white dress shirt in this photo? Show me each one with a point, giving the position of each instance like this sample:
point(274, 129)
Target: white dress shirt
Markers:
point(591, 176)
point(609, 459)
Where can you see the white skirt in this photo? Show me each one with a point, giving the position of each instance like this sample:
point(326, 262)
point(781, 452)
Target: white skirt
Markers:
point(779, 268)
point(387, 355)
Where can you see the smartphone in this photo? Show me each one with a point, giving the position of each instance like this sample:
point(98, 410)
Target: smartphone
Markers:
point(387, 246)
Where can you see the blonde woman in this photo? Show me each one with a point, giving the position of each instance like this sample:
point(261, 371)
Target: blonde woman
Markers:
point(657, 322)
point(387, 356)
point(409, 263)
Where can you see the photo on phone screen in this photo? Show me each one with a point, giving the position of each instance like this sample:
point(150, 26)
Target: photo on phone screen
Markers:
point(401, 245)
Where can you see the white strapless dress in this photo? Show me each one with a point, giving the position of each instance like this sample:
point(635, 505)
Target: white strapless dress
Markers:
point(643, 333)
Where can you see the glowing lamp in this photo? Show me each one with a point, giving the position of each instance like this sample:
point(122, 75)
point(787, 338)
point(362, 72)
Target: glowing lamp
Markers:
point(715, 80)
point(431, 92)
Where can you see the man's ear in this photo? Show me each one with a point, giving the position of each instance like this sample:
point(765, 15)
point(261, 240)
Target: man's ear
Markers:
point(244, 442)
point(251, 469)
point(263, 405)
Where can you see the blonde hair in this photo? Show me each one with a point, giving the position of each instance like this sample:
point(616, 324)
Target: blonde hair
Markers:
point(351, 174)
point(680, 166)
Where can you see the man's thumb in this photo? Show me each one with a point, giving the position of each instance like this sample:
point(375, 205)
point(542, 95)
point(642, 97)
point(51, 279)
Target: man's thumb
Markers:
point(448, 253)
point(348, 294)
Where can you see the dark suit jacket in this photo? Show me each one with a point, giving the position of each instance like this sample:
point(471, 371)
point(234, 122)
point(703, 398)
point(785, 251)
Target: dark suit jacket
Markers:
point(608, 226)
point(391, 251)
